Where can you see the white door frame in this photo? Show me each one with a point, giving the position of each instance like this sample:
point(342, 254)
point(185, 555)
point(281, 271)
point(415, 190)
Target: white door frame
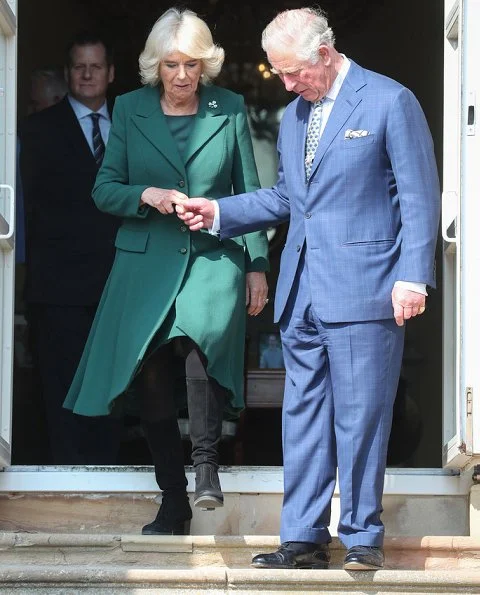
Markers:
point(460, 217)
point(8, 142)
point(461, 439)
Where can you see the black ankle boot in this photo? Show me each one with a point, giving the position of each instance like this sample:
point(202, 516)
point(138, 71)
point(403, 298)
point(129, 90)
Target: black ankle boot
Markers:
point(208, 493)
point(165, 443)
point(173, 516)
point(205, 414)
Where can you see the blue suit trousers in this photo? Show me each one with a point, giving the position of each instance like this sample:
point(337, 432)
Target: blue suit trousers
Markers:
point(341, 382)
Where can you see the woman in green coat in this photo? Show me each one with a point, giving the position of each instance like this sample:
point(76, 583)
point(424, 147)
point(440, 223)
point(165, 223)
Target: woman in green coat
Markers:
point(170, 289)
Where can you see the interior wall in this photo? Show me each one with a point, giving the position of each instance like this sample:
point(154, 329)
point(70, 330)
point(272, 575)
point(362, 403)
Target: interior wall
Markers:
point(403, 40)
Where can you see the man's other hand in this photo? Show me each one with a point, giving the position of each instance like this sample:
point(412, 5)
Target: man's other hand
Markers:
point(406, 304)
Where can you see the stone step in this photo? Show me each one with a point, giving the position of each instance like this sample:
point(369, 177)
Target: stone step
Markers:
point(56, 580)
point(211, 551)
point(53, 563)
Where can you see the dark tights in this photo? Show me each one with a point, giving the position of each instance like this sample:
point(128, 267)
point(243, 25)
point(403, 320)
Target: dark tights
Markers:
point(156, 382)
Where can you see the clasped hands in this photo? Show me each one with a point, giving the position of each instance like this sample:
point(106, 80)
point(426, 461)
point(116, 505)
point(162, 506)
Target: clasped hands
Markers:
point(199, 214)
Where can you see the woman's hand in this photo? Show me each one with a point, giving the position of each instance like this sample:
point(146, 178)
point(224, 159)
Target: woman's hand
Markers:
point(257, 291)
point(161, 199)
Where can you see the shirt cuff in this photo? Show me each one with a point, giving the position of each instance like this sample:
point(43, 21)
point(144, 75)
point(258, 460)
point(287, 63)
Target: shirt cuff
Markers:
point(215, 229)
point(417, 287)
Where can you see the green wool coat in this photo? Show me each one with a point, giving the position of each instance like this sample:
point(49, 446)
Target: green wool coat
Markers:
point(167, 281)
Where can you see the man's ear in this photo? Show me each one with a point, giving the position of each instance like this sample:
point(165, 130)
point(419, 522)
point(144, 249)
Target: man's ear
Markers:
point(111, 73)
point(324, 53)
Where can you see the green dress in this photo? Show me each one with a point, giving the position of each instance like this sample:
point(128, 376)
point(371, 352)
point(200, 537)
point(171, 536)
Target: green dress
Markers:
point(167, 281)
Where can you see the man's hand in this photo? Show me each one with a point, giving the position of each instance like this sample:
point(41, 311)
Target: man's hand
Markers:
point(406, 304)
point(257, 291)
point(197, 213)
point(161, 199)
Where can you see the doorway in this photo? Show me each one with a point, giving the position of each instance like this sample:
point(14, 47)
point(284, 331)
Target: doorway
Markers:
point(380, 35)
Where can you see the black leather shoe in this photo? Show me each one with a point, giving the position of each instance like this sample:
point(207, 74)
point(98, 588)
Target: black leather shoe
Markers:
point(363, 557)
point(295, 554)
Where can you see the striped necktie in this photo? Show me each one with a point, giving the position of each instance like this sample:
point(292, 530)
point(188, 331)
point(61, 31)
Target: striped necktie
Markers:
point(97, 140)
point(313, 136)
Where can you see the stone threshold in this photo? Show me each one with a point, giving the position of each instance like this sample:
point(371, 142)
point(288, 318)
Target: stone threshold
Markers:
point(429, 553)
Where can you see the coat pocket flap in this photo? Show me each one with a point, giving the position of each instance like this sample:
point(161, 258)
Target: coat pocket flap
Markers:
point(131, 240)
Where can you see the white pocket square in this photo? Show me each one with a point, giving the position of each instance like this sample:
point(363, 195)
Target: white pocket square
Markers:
point(355, 133)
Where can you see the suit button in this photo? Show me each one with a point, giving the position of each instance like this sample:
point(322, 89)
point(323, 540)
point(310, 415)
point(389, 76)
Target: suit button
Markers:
point(181, 183)
point(308, 215)
point(299, 248)
point(183, 250)
point(183, 228)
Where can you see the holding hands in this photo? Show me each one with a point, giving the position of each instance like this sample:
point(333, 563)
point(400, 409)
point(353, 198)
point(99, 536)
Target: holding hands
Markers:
point(161, 199)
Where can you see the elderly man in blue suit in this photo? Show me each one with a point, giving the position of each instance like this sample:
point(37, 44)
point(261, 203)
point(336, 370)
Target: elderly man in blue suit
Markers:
point(357, 179)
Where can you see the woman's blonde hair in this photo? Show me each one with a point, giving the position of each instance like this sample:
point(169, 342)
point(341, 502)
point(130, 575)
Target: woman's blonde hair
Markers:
point(180, 31)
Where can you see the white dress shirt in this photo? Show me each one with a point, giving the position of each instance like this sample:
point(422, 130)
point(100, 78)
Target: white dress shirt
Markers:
point(83, 115)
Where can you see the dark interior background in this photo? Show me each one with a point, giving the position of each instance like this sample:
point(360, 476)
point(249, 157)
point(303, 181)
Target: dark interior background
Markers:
point(403, 40)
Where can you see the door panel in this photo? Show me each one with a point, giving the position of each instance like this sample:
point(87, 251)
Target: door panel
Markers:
point(7, 216)
point(460, 218)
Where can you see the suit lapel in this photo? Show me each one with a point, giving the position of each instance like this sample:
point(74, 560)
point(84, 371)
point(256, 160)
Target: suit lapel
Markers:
point(345, 103)
point(150, 120)
point(303, 113)
point(73, 133)
point(209, 120)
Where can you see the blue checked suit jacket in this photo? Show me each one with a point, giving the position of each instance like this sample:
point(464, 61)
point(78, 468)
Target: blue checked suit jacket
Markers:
point(367, 217)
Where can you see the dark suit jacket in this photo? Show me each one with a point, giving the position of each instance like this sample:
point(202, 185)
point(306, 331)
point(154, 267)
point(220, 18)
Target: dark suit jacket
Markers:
point(70, 243)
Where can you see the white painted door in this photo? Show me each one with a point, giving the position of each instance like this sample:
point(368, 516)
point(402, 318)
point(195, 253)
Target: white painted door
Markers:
point(8, 83)
point(460, 232)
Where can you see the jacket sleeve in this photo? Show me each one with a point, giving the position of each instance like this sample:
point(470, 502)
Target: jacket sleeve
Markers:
point(112, 192)
point(410, 148)
point(245, 179)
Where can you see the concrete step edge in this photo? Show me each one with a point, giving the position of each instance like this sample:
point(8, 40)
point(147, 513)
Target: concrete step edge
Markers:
point(248, 579)
point(434, 544)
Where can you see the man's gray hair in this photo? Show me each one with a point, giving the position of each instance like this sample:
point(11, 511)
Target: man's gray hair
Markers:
point(300, 31)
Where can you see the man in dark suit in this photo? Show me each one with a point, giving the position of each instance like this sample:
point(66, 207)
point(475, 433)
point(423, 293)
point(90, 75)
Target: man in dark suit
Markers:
point(70, 243)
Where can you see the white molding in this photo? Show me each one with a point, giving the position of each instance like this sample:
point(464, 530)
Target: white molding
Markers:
point(8, 20)
point(245, 480)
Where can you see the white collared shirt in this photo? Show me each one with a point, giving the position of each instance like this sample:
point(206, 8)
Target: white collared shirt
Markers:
point(332, 94)
point(83, 115)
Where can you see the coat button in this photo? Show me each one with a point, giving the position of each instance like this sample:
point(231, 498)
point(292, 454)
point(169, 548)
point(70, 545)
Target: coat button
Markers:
point(183, 228)
point(181, 183)
point(299, 248)
point(183, 250)
point(308, 215)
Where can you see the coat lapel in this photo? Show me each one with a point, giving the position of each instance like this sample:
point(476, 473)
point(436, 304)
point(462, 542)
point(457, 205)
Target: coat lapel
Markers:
point(303, 113)
point(345, 103)
point(209, 120)
point(150, 120)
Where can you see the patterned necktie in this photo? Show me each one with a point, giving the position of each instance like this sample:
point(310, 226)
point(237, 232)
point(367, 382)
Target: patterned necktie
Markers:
point(98, 144)
point(313, 136)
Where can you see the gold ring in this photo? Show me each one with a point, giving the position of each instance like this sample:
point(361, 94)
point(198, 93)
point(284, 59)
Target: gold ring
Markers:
point(266, 300)
point(421, 310)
